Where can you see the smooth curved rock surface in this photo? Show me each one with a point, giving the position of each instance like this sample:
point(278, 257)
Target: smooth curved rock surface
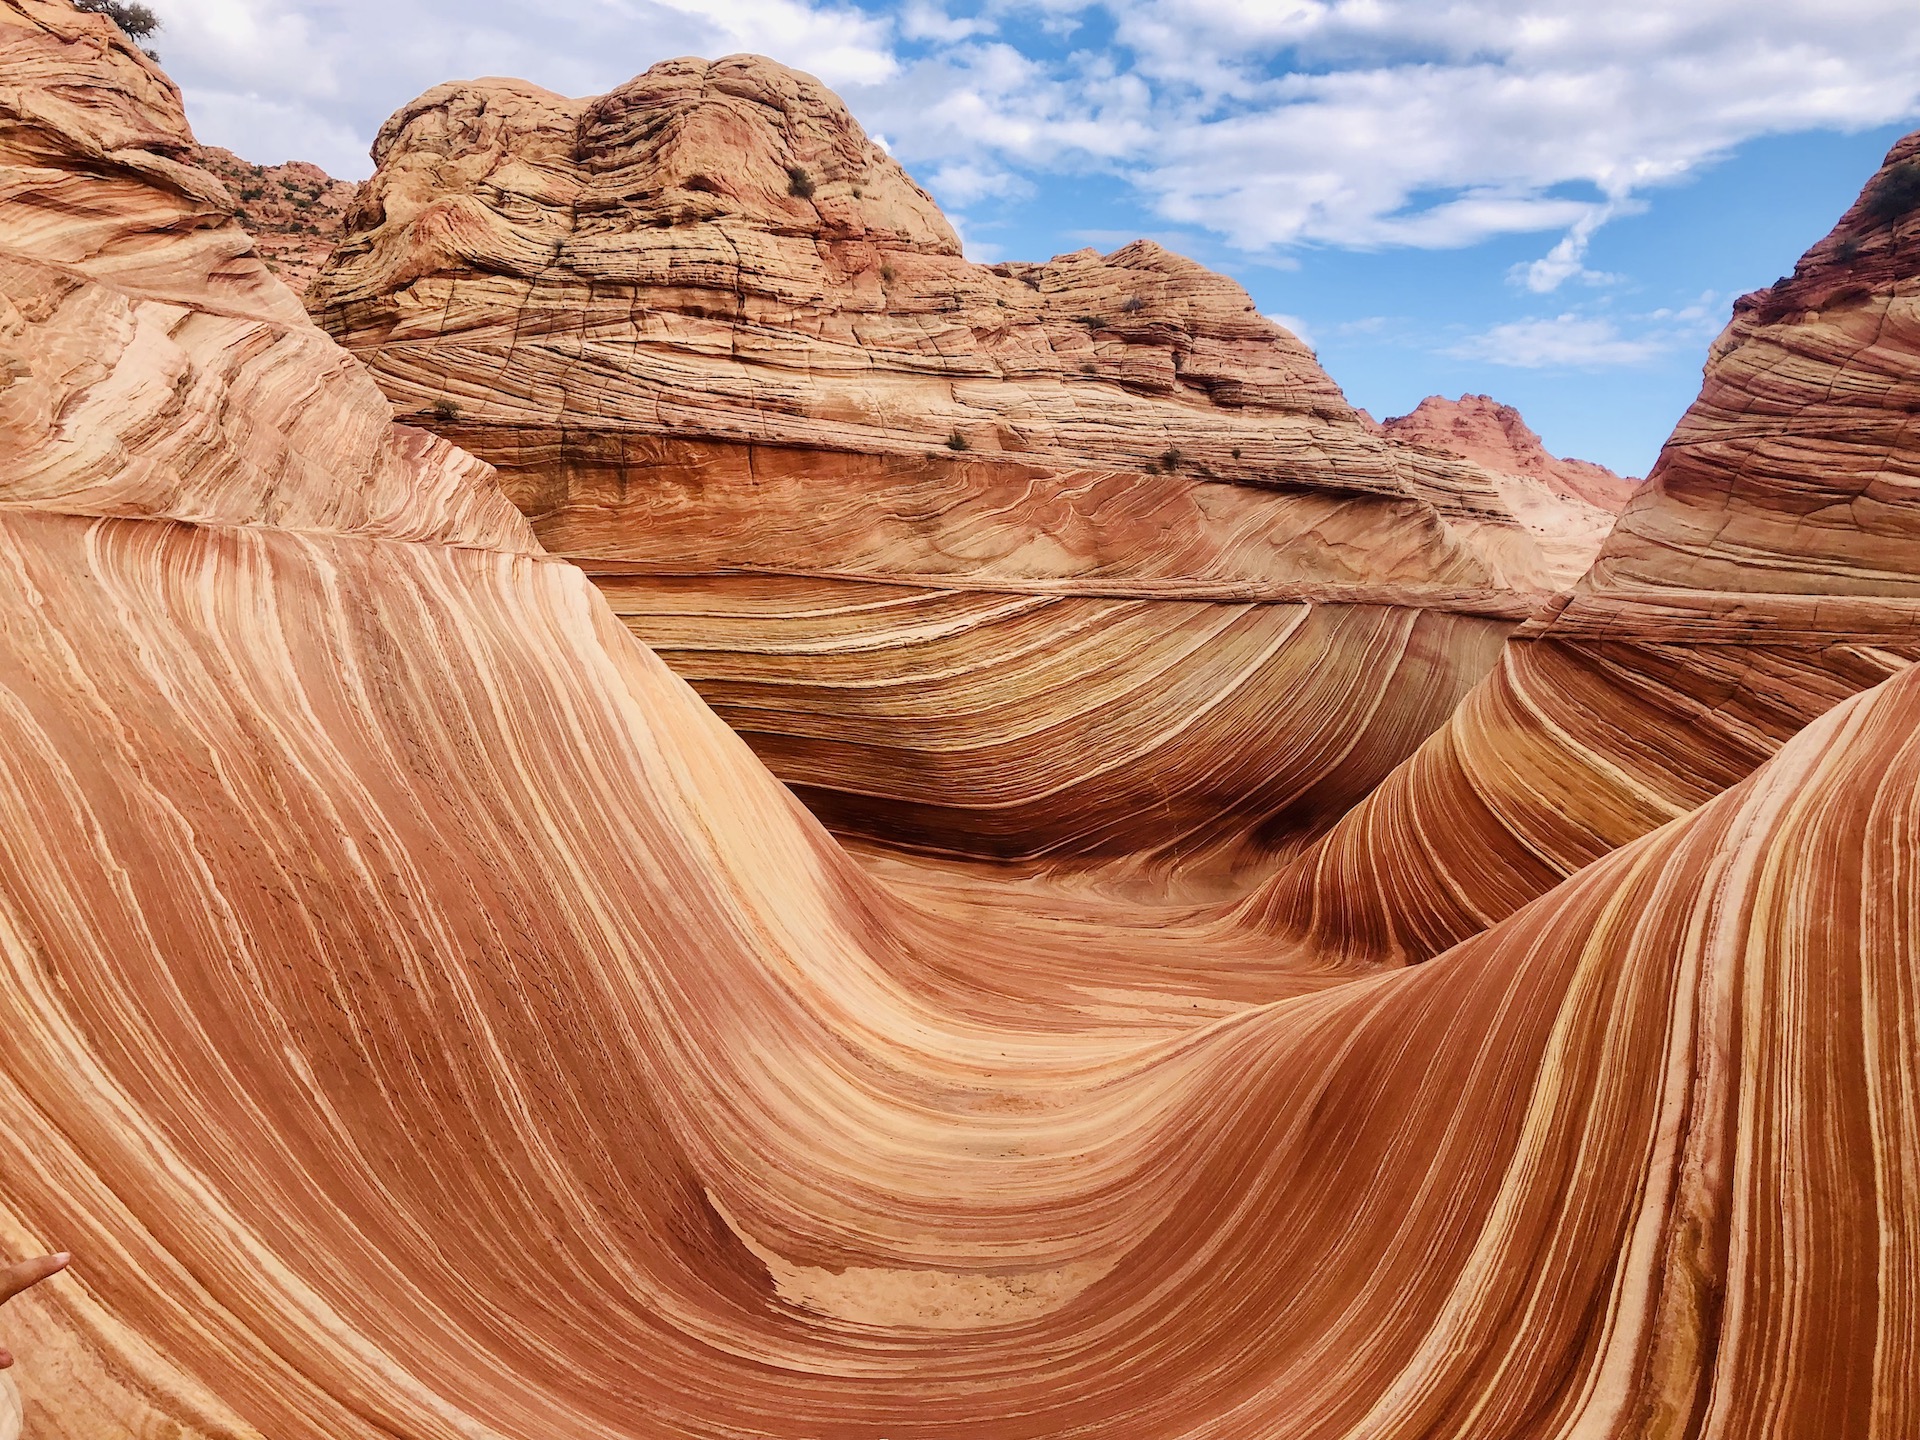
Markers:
point(423, 1017)
point(730, 359)
point(1768, 568)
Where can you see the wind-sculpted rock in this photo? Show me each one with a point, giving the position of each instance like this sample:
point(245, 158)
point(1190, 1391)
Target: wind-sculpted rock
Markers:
point(422, 1017)
point(1769, 567)
point(1003, 561)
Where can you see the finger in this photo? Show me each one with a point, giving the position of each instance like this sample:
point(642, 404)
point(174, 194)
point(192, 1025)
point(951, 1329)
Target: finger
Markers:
point(19, 1276)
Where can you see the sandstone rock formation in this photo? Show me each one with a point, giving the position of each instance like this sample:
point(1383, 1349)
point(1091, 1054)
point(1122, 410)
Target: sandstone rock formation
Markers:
point(1769, 567)
point(295, 212)
point(423, 1018)
point(999, 561)
point(1495, 437)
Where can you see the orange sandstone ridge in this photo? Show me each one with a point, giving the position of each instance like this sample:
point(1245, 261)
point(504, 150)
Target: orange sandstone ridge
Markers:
point(423, 1018)
point(993, 561)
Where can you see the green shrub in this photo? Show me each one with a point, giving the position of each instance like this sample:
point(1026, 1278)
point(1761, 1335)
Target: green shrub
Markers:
point(136, 21)
point(799, 183)
point(957, 441)
point(1897, 194)
point(1171, 459)
point(445, 411)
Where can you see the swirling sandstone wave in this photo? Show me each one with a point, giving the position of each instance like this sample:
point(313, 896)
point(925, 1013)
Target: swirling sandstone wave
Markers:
point(423, 1017)
point(1769, 568)
point(730, 359)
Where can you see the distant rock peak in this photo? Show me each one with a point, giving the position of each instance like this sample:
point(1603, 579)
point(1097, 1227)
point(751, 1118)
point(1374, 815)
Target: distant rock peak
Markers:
point(1485, 431)
point(296, 212)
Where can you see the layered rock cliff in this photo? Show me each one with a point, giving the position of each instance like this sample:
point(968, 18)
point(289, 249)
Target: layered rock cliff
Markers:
point(423, 1018)
point(1768, 568)
point(1003, 561)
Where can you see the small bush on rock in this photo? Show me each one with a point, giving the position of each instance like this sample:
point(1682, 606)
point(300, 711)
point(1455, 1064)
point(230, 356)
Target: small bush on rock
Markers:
point(957, 441)
point(1898, 192)
point(799, 183)
point(136, 21)
point(446, 411)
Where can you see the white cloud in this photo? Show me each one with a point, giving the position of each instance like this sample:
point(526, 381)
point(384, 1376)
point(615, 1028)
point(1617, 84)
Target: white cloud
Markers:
point(1363, 325)
point(1369, 122)
point(259, 128)
point(1561, 341)
point(293, 79)
point(962, 182)
point(981, 252)
point(925, 20)
point(1566, 261)
point(1575, 341)
point(1296, 325)
point(842, 45)
point(1272, 123)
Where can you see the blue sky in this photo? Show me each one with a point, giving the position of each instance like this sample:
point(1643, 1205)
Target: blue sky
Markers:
point(1550, 201)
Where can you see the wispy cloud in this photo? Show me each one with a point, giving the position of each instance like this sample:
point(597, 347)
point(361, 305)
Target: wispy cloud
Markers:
point(1370, 123)
point(1295, 324)
point(1355, 123)
point(1567, 259)
point(926, 20)
point(314, 79)
point(962, 182)
point(1575, 341)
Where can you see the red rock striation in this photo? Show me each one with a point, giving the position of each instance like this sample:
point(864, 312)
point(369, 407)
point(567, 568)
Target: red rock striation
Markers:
point(1769, 567)
point(1493, 436)
point(423, 1018)
point(295, 212)
point(1001, 561)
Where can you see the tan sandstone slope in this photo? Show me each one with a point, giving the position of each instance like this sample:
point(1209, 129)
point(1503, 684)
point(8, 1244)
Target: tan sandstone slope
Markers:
point(421, 1017)
point(1768, 568)
point(1010, 561)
